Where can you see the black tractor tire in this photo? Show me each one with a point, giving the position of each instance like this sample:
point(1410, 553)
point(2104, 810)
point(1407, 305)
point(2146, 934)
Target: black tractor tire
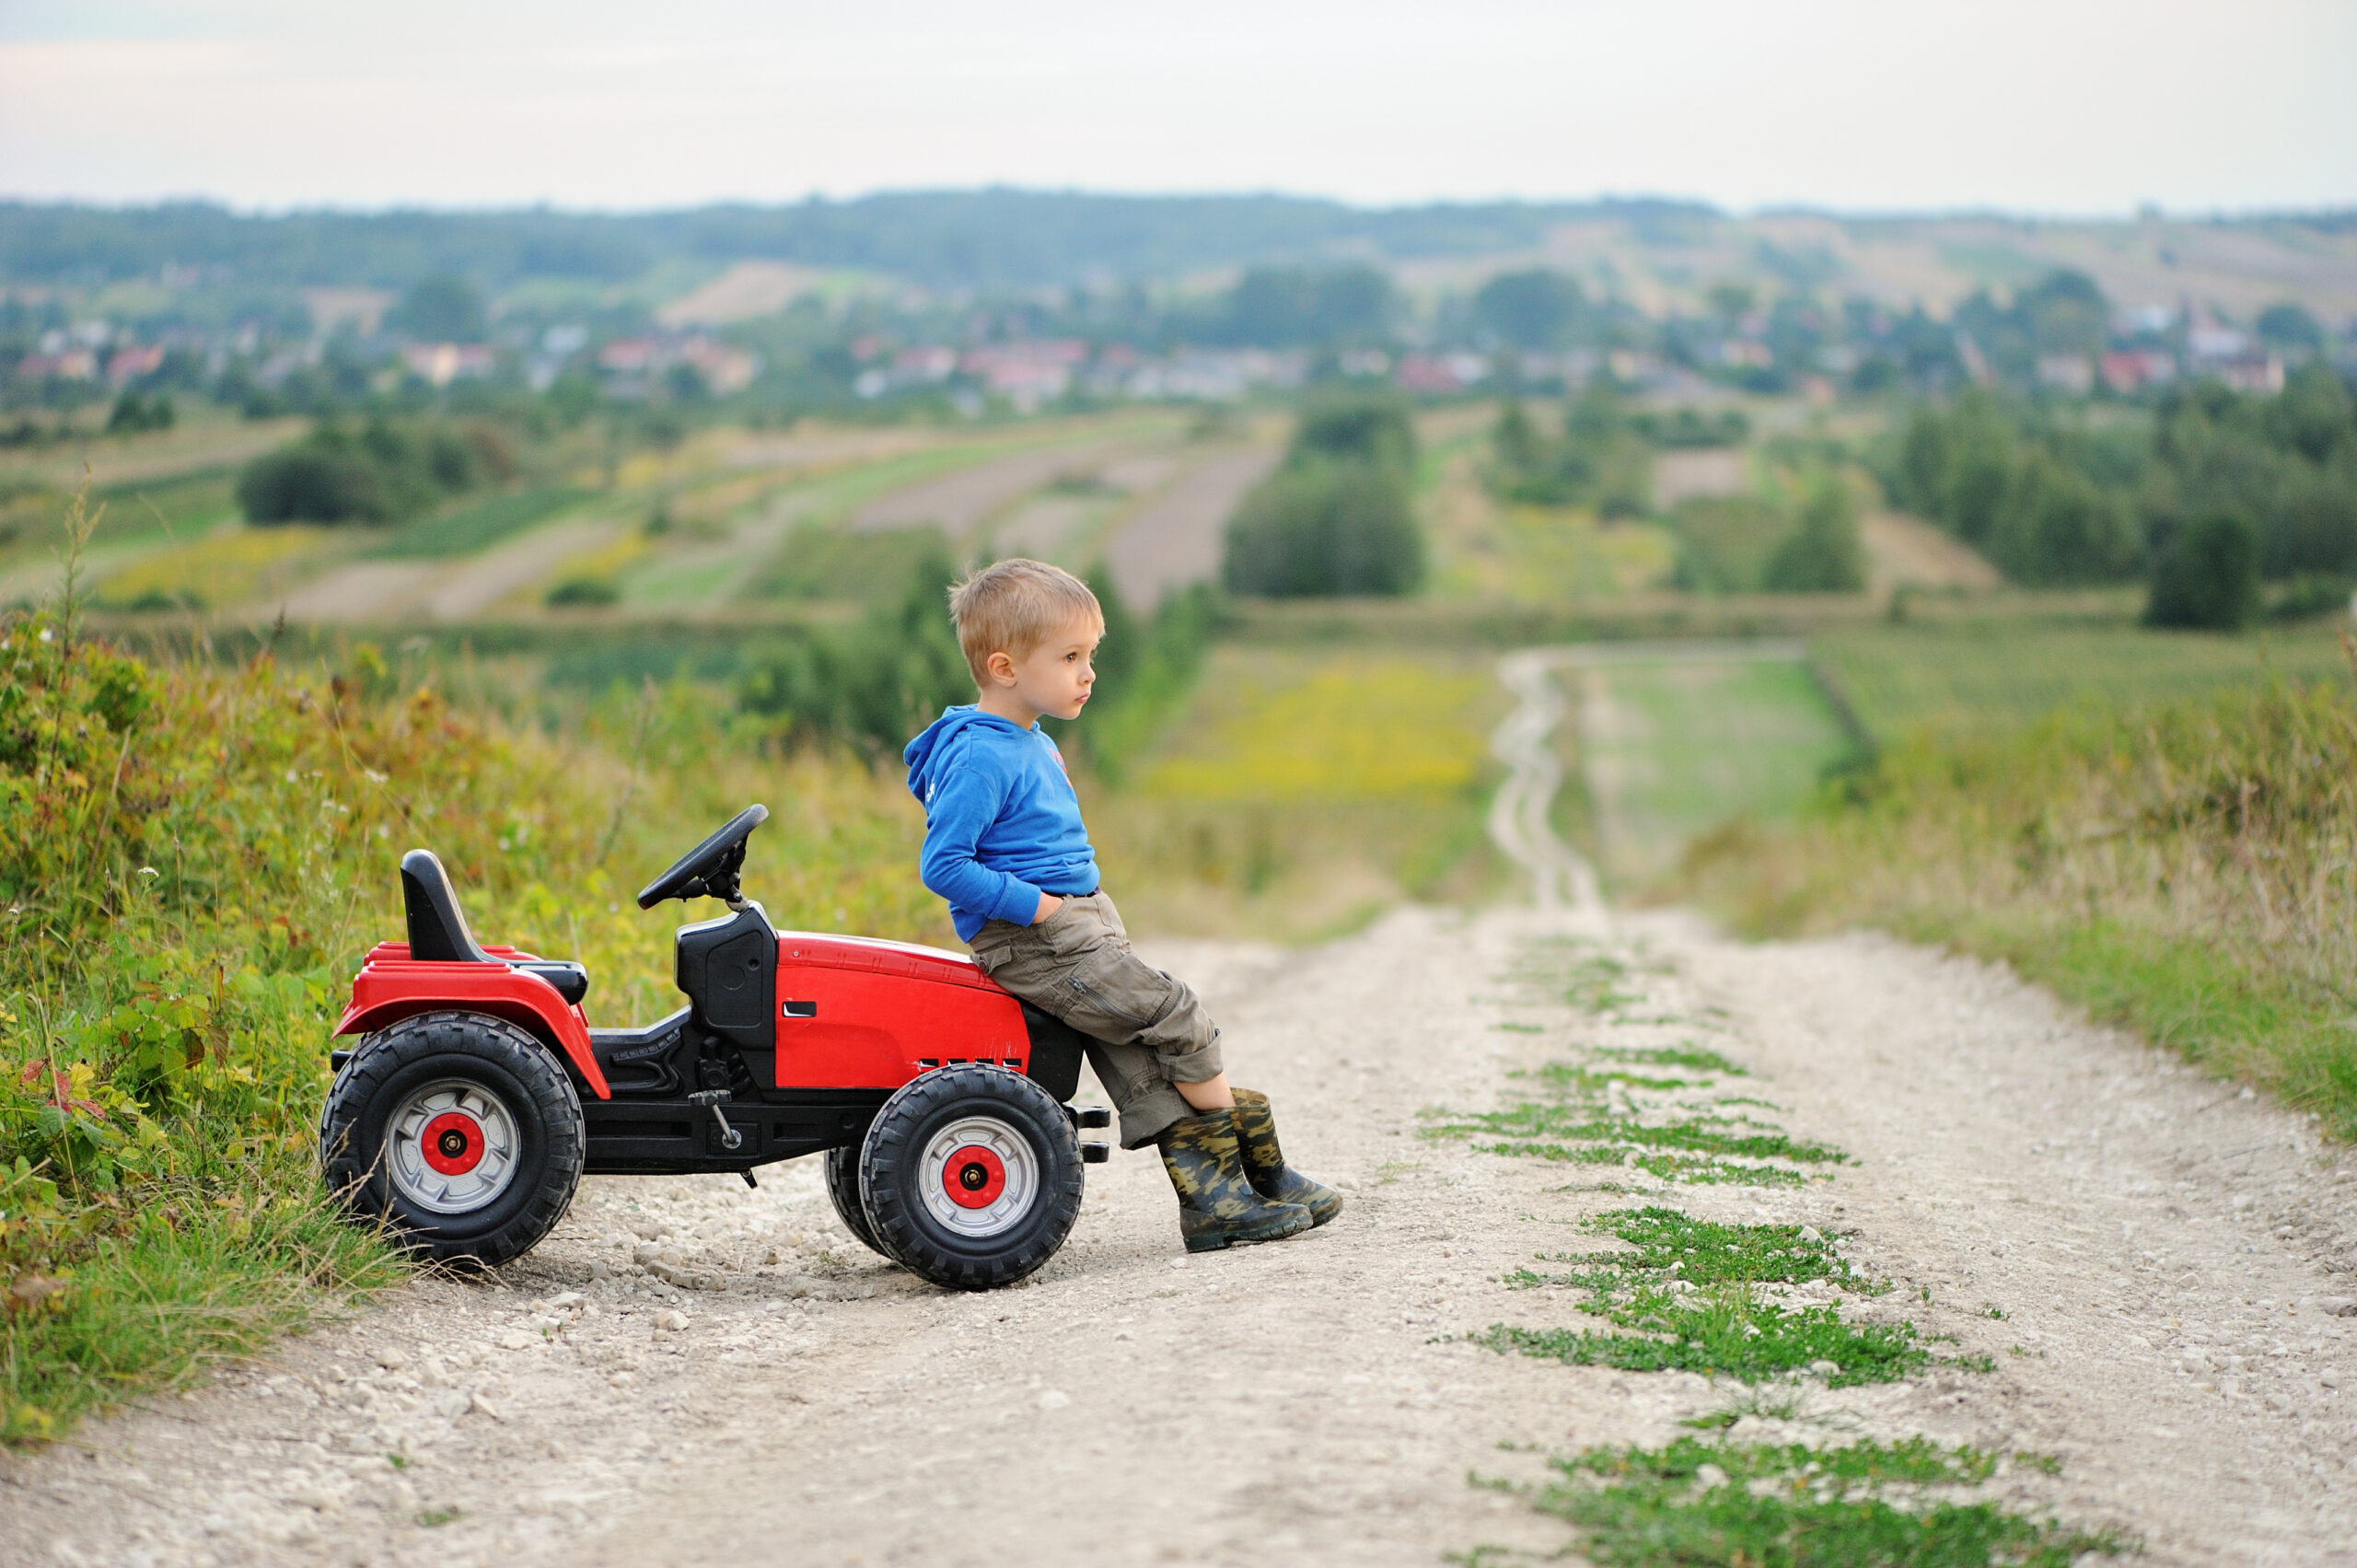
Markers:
point(458, 1133)
point(971, 1176)
point(841, 1167)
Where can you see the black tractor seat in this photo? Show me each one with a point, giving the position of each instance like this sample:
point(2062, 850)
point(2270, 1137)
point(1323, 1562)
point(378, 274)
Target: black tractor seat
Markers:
point(438, 931)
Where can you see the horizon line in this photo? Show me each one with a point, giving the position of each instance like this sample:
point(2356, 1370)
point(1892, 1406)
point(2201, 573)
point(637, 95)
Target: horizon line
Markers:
point(2140, 212)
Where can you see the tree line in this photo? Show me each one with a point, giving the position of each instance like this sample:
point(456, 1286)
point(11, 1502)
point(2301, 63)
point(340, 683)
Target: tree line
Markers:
point(2225, 490)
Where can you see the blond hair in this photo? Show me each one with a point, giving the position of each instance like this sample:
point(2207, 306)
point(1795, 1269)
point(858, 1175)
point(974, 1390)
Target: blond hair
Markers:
point(1012, 607)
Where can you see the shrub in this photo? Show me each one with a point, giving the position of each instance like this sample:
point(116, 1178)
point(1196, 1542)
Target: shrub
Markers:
point(1337, 519)
point(1325, 529)
point(585, 591)
point(132, 413)
point(2207, 578)
point(383, 474)
point(874, 683)
point(1822, 554)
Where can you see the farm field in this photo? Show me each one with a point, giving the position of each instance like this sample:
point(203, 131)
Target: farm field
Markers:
point(730, 518)
point(1298, 792)
point(1998, 676)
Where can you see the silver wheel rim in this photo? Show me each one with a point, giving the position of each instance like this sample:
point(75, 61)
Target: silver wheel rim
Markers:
point(419, 1154)
point(978, 1140)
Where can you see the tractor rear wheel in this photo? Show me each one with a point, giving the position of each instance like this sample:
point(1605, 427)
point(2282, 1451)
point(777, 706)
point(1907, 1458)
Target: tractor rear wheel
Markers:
point(971, 1176)
point(456, 1131)
point(841, 1167)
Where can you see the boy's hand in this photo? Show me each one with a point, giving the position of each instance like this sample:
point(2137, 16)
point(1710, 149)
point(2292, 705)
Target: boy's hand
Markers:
point(1048, 904)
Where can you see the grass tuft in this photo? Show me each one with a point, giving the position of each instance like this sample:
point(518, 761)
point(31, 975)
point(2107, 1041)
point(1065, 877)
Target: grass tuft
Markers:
point(1696, 1504)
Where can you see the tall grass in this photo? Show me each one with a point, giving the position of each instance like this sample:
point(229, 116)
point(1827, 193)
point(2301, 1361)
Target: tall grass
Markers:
point(191, 858)
point(2190, 870)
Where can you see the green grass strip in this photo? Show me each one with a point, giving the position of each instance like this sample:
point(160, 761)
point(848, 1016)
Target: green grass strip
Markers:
point(1694, 1058)
point(479, 525)
point(1728, 1335)
point(1700, 1504)
point(1533, 1119)
point(1701, 1252)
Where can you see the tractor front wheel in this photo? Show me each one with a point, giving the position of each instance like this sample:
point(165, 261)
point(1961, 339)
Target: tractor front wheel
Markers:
point(457, 1132)
point(970, 1176)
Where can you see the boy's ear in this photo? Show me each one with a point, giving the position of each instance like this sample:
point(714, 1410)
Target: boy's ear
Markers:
point(999, 667)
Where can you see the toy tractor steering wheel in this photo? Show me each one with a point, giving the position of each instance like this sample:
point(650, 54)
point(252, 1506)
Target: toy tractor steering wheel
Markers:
point(709, 870)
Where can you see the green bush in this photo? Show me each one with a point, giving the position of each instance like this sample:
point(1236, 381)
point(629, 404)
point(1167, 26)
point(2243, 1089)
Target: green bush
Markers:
point(384, 473)
point(1338, 517)
point(874, 683)
point(2207, 577)
point(585, 591)
point(1822, 554)
point(132, 413)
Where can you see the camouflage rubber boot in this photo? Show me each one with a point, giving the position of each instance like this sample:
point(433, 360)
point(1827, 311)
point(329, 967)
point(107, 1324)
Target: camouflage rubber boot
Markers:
point(1216, 1204)
point(1264, 1162)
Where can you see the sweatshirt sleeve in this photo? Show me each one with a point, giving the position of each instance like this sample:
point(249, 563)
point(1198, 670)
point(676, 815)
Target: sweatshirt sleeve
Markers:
point(962, 806)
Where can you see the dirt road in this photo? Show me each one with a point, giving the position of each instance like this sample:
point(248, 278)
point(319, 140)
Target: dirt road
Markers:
point(689, 1371)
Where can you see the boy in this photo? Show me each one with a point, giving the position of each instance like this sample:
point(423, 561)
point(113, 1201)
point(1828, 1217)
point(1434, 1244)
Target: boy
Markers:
point(1004, 846)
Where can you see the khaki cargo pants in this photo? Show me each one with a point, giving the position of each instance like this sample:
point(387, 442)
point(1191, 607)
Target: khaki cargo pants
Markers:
point(1146, 1030)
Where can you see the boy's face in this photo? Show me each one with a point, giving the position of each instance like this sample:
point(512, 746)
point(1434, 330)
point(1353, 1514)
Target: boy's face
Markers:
point(1054, 678)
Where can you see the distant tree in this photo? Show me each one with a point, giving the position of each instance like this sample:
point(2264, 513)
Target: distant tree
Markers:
point(1320, 528)
point(873, 683)
point(2207, 576)
point(2314, 415)
point(1822, 554)
point(1731, 302)
point(319, 481)
point(1533, 309)
point(132, 413)
point(1339, 517)
point(2065, 313)
point(1982, 452)
point(2056, 525)
point(2288, 328)
point(1284, 307)
point(443, 308)
point(1372, 425)
point(385, 473)
point(1515, 439)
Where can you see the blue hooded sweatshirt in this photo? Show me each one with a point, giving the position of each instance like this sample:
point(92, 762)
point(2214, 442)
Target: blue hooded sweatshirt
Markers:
point(1002, 823)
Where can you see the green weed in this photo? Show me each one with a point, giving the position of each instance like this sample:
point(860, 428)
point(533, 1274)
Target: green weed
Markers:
point(1728, 1334)
point(1697, 1058)
point(1665, 1241)
point(1688, 1288)
point(1694, 1504)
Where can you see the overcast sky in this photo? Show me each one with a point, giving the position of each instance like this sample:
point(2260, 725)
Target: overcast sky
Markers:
point(2048, 106)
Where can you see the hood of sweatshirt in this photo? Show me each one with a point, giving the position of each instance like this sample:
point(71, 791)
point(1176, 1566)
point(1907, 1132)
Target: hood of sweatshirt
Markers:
point(929, 748)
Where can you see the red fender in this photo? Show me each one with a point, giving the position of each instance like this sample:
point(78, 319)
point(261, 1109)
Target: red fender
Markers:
point(391, 986)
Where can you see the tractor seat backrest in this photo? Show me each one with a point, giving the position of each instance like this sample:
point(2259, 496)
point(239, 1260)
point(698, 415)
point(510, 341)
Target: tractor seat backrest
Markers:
point(437, 931)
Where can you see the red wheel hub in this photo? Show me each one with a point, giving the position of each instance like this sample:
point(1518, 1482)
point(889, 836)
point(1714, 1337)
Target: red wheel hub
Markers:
point(973, 1177)
point(452, 1143)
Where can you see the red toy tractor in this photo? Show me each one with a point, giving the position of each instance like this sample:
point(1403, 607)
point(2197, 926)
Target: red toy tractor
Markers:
point(478, 1094)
